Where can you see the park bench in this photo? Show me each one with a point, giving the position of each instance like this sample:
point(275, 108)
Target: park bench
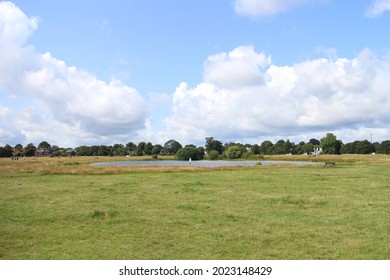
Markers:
point(328, 163)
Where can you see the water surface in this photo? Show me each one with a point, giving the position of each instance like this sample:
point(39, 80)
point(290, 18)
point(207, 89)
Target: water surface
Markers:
point(201, 163)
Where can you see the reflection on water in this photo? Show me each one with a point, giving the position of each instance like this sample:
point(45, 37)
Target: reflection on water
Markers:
point(201, 163)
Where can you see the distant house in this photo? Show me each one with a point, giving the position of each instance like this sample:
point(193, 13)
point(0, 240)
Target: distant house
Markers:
point(317, 151)
point(70, 152)
point(42, 152)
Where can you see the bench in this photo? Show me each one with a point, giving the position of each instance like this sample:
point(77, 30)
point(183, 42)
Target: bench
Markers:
point(330, 163)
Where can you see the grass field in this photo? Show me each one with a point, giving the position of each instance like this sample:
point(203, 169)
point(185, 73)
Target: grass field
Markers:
point(62, 208)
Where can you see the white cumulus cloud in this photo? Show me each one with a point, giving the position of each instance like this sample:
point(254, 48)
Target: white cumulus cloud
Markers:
point(71, 99)
point(238, 68)
point(310, 97)
point(15, 26)
point(378, 7)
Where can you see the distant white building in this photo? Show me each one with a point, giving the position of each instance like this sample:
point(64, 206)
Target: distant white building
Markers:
point(317, 151)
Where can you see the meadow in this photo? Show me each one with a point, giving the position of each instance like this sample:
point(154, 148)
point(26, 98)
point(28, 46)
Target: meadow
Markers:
point(63, 208)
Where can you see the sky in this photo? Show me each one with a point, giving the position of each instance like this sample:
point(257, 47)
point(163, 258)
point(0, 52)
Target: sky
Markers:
point(99, 72)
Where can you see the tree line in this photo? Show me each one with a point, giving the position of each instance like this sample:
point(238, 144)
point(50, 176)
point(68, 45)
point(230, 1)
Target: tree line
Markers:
point(213, 149)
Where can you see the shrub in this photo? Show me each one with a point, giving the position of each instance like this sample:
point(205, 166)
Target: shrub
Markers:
point(248, 155)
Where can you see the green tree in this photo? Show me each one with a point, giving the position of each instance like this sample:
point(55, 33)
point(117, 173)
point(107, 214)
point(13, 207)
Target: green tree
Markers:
point(140, 149)
point(348, 148)
point(256, 149)
point(385, 147)
point(314, 142)
point(83, 151)
point(44, 145)
point(6, 151)
point(131, 148)
point(29, 150)
point(148, 148)
point(213, 155)
point(330, 144)
point(104, 151)
point(265, 147)
point(55, 151)
point(156, 150)
point(235, 151)
point(188, 152)
point(119, 150)
point(299, 148)
point(363, 147)
point(201, 150)
point(289, 147)
point(376, 146)
point(208, 142)
point(93, 150)
point(307, 148)
point(212, 144)
point(279, 148)
point(171, 147)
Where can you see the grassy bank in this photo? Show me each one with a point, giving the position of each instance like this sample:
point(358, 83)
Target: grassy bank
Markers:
point(62, 208)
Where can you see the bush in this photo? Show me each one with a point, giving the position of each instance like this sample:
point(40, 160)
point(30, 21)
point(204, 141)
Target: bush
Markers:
point(248, 155)
point(213, 155)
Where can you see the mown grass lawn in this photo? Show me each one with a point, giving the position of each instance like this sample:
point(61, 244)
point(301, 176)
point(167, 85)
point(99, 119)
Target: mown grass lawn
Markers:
point(65, 209)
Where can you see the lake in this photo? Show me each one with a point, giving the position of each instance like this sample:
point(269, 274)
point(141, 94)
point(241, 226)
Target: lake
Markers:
point(201, 163)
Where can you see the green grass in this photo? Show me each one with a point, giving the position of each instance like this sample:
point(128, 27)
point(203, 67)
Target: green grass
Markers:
point(279, 212)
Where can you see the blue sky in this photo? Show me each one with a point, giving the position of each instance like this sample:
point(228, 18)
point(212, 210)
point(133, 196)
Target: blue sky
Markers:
point(105, 72)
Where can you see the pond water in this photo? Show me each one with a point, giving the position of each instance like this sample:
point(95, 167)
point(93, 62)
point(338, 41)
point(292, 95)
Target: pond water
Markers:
point(201, 163)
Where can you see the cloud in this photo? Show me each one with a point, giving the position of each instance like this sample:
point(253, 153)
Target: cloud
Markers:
point(238, 68)
point(73, 100)
point(263, 8)
point(15, 26)
point(377, 8)
point(309, 97)
point(8, 133)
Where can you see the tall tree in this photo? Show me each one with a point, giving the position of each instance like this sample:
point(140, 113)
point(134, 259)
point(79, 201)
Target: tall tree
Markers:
point(314, 142)
point(30, 150)
point(235, 151)
point(104, 150)
point(171, 147)
point(212, 144)
point(363, 147)
point(265, 147)
point(83, 151)
point(131, 148)
point(156, 150)
point(348, 148)
point(330, 144)
point(385, 147)
point(256, 149)
point(148, 148)
point(44, 145)
point(279, 148)
point(140, 149)
point(119, 150)
point(6, 151)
